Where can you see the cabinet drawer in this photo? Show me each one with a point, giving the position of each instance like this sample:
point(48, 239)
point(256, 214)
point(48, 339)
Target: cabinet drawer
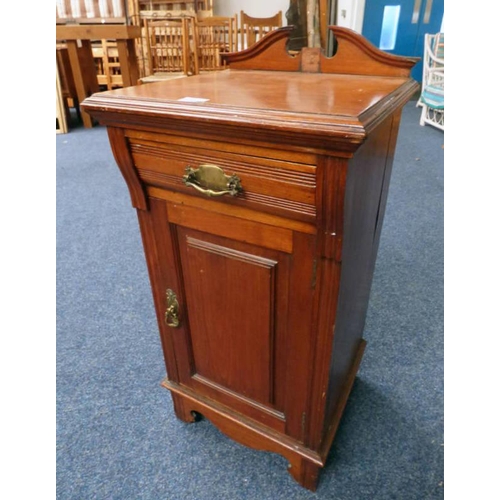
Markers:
point(272, 180)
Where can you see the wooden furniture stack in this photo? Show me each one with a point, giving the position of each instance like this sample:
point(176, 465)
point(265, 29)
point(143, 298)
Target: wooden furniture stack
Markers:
point(77, 41)
point(185, 46)
point(95, 47)
point(260, 193)
point(105, 51)
point(142, 11)
point(205, 36)
point(194, 43)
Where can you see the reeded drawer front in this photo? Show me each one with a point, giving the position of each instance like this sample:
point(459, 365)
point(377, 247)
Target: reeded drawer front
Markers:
point(270, 180)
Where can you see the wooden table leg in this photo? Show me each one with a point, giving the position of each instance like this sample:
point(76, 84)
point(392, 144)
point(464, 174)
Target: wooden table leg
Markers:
point(128, 62)
point(84, 75)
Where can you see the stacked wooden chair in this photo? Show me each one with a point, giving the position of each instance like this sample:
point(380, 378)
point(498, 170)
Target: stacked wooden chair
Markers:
point(214, 36)
point(169, 49)
point(252, 29)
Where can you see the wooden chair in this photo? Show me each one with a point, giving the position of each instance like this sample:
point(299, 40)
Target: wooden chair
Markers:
point(105, 55)
point(214, 36)
point(253, 29)
point(169, 49)
point(432, 95)
point(160, 15)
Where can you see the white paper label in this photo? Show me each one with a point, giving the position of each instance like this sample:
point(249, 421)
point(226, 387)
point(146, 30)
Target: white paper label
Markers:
point(193, 99)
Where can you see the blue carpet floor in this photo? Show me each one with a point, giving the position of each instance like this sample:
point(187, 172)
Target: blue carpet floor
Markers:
point(117, 435)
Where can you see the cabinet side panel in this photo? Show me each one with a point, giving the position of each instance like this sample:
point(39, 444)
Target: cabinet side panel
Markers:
point(366, 192)
point(161, 267)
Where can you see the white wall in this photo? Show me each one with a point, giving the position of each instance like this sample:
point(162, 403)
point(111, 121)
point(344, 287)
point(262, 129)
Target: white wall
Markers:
point(255, 8)
point(350, 14)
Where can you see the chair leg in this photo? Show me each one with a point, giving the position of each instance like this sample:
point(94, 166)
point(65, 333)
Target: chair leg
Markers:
point(423, 115)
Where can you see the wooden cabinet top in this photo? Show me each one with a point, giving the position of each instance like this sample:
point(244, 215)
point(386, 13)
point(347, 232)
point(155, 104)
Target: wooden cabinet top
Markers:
point(267, 91)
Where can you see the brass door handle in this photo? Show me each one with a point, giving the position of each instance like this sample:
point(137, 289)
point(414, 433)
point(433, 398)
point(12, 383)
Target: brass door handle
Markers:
point(172, 312)
point(212, 181)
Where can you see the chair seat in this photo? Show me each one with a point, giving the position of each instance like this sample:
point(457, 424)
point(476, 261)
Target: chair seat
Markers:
point(433, 96)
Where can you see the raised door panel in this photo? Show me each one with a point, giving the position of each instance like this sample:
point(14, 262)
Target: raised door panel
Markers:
point(236, 299)
point(230, 297)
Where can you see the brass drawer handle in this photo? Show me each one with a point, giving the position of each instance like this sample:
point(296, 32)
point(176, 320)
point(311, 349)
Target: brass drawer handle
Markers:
point(212, 181)
point(172, 312)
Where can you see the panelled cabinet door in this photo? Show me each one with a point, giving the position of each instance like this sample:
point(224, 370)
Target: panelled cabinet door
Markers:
point(237, 320)
point(236, 299)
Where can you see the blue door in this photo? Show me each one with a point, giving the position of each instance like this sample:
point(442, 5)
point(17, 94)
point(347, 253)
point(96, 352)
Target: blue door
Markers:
point(399, 26)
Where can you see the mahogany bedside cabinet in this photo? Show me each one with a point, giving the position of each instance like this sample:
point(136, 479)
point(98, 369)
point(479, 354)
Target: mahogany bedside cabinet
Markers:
point(260, 192)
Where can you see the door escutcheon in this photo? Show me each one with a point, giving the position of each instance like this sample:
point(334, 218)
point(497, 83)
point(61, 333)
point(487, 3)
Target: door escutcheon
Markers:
point(172, 312)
